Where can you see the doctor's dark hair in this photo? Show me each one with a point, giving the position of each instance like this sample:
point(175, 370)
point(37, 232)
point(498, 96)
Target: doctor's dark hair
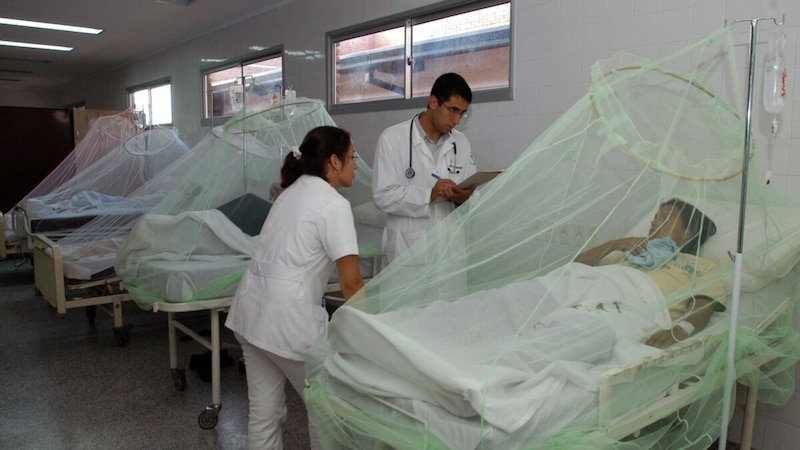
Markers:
point(317, 147)
point(700, 227)
point(450, 84)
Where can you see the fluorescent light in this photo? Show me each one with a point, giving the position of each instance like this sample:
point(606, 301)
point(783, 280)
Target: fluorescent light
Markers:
point(37, 46)
point(49, 26)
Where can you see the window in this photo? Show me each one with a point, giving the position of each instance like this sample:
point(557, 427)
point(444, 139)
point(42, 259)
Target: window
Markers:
point(256, 81)
point(152, 103)
point(390, 63)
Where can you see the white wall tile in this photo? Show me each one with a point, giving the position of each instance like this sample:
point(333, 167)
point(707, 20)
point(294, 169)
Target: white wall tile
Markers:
point(780, 436)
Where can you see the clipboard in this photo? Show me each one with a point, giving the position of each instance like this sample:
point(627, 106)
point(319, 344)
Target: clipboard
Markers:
point(479, 178)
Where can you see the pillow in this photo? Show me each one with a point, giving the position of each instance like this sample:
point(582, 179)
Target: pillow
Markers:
point(248, 212)
point(369, 214)
point(771, 245)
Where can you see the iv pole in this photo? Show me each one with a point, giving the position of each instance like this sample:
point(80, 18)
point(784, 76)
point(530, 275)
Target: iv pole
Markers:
point(730, 373)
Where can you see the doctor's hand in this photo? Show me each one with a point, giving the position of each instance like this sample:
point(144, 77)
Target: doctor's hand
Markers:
point(461, 195)
point(443, 188)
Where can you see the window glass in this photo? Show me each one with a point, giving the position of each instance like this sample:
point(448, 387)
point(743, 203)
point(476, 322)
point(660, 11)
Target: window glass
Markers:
point(152, 105)
point(402, 62)
point(474, 44)
point(370, 67)
point(257, 82)
point(161, 104)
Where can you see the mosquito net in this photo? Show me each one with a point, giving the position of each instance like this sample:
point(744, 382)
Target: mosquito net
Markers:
point(90, 250)
point(102, 187)
point(104, 135)
point(195, 244)
point(487, 334)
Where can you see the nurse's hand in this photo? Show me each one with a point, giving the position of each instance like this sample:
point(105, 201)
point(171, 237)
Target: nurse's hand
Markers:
point(443, 188)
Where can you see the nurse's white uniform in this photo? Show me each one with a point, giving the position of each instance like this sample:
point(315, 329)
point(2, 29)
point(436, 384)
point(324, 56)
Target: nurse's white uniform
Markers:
point(277, 312)
point(406, 201)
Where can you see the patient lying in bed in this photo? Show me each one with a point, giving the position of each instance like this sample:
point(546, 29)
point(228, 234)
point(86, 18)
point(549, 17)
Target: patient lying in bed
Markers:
point(510, 354)
point(668, 255)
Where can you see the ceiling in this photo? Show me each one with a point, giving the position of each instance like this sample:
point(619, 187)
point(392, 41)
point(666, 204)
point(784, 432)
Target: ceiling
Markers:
point(133, 29)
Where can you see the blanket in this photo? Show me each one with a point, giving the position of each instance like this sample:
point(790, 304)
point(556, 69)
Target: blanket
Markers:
point(496, 353)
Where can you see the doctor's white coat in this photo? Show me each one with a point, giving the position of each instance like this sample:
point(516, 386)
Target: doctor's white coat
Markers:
point(406, 201)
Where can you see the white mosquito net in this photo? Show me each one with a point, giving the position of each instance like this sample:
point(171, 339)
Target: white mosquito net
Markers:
point(102, 187)
point(105, 134)
point(90, 251)
point(485, 334)
point(195, 244)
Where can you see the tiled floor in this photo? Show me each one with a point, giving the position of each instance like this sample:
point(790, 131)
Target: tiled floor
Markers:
point(64, 383)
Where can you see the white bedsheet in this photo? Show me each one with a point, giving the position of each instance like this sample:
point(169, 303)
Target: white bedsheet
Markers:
point(154, 253)
point(446, 353)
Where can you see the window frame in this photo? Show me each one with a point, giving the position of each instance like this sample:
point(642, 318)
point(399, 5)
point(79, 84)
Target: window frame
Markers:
point(149, 86)
point(276, 51)
point(408, 19)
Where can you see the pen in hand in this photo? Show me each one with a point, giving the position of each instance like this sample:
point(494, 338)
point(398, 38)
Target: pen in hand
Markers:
point(436, 175)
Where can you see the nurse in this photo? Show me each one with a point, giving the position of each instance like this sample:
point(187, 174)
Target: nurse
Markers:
point(419, 163)
point(277, 312)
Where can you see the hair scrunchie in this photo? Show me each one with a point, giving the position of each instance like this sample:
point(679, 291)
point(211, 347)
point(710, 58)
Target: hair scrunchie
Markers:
point(296, 152)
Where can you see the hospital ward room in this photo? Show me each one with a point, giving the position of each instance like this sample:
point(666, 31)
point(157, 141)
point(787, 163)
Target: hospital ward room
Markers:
point(428, 224)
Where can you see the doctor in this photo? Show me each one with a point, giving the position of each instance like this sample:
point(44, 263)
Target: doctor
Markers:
point(419, 163)
point(277, 312)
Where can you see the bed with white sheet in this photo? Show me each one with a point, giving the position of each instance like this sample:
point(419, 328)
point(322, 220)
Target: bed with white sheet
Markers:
point(396, 378)
point(174, 282)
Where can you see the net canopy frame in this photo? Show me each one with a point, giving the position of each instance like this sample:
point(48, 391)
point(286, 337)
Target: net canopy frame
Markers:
point(487, 334)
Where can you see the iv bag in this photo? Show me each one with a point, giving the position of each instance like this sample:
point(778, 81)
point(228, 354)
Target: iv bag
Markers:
point(775, 73)
point(236, 92)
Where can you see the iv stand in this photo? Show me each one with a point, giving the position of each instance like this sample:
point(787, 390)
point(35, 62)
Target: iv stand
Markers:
point(730, 374)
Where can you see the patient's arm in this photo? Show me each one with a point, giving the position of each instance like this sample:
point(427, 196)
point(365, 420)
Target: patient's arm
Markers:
point(698, 317)
point(593, 256)
point(349, 275)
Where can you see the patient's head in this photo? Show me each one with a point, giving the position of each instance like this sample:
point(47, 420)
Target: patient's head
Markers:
point(684, 223)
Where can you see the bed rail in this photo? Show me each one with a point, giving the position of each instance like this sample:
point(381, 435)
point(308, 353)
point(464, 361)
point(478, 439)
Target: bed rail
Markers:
point(49, 282)
point(676, 396)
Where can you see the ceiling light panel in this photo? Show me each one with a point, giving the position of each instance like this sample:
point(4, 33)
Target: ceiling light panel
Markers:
point(36, 46)
point(49, 26)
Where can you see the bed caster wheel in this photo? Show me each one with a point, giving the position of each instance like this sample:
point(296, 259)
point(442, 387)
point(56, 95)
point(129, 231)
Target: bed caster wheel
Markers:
point(178, 379)
point(209, 417)
point(91, 314)
point(122, 335)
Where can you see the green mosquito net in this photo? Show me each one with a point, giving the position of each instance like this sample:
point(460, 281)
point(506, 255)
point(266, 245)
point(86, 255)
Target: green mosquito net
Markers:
point(487, 334)
point(195, 244)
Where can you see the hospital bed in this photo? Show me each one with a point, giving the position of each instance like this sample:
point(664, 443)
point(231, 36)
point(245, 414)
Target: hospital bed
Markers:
point(103, 188)
point(9, 241)
point(74, 231)
point(359, 388)
point(104, 134)
point(209, 416)
point(63, 293)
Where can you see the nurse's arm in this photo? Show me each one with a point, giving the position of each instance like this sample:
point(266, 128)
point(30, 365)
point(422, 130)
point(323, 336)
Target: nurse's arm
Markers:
point(349, 275)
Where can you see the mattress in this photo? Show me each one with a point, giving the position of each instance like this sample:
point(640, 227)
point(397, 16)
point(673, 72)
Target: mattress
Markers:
point(183, 281)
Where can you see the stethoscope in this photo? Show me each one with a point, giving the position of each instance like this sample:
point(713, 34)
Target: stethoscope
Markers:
point(410, 172)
